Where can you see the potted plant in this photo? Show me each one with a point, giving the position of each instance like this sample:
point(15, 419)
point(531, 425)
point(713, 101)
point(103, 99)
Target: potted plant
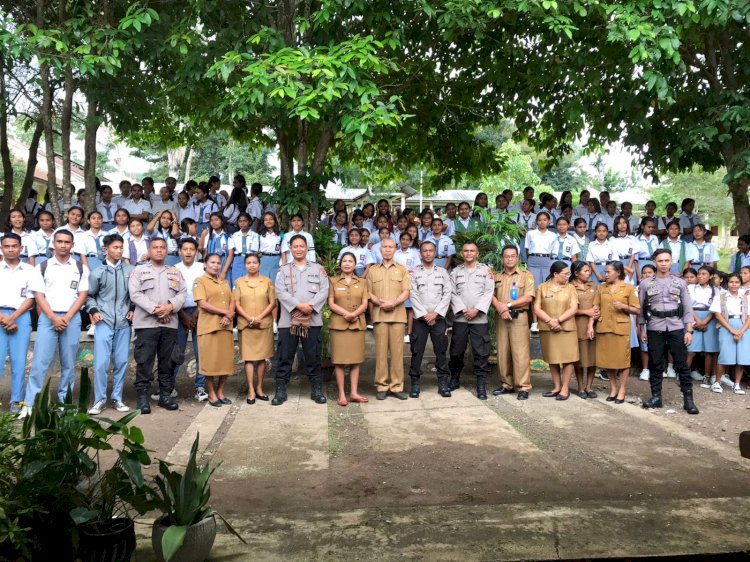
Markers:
point(187, 528)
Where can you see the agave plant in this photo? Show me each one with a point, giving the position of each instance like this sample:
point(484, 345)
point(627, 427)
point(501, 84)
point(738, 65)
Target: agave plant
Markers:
point(494, 232)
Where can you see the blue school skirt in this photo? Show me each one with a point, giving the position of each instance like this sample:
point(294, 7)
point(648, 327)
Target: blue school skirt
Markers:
point(539, 266)
point(733, 352)
point(269, 266)
point(441, 261)
point(600, 269)
point(708, 341)
point(237, 270)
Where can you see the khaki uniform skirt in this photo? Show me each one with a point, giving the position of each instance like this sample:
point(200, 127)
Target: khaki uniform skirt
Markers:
point(586, 347)
point(256, 344)
point(216, 352)
point(347, 347)
point(559, 347)
point(612, 351)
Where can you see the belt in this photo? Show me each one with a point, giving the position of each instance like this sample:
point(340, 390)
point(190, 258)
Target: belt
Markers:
point(173, 253)
point(700, 307)
point(8, 308)
point(665, 313)
point(537, 255)
point(92, 255)
point(600, 263)
point(738, 316)
point(267, 254)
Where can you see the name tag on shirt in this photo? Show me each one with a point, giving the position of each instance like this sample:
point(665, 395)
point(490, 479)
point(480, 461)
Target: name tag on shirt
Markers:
point(74, 285)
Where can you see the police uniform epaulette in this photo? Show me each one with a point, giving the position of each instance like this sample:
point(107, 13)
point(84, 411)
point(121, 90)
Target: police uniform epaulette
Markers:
point(171, 269)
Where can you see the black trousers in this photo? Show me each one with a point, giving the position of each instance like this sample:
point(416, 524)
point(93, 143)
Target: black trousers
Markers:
point(150, 343)
point(420, 331)
point(659, 343)
point(287, 347)
point(479, 336)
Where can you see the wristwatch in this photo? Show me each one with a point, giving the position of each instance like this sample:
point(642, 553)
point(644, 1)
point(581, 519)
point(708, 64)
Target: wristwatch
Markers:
point(508, 305)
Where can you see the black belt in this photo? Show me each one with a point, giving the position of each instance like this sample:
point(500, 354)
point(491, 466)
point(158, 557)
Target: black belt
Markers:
point(665, 313)
point(738, 316)
point(537, 255)
point(92, 255)
point(700, 308)
point(267, 254)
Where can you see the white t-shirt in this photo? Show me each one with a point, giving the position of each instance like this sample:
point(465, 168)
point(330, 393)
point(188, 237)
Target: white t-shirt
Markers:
point(600, 253)
point(538, 242)
point(310, 246)
point(410, 258)
point(190, 274)
point(251, 243)
point(734, 306)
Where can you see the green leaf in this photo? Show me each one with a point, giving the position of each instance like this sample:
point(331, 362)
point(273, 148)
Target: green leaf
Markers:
point(172, 540)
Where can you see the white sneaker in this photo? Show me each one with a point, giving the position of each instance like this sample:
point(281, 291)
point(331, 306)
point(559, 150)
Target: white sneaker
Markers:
point(726, 381)
point(534, 328)
point(120, 406)
point(370, 326)
point(98, 407)
point(706, 383)
point(91, 330)
point(670, 372)
point(696, 376)
point(645, 375)
point(25, 412)
point(200, 394)
point(737, 389)
point(716, 387)
point(406, 338)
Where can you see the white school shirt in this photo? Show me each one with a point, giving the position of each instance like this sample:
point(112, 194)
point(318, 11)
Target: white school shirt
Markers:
point(444, 246)
point(689, 221)
point(703, 297)
point(90, 247)
point(369, 224)
point(251, 243)
point(125, 234)
point(646, 250)
point(423, 234)
point(43, 243)
point(705, 254)
point(218, 198)
point(593, 219)
point(202, 211)
point(137, 207)
point(108, 211)
point(580, 211)
point(311, 257)
point(363, 255)
point(190, 274)
point(29, 246)
point(744, 258)
point(609, 221)
point(527, 221)
point(141, 248)
point(538, 242)
point(464, 222)
point(167, 205)
point(564, 248)
point(120, 200)
point(691, 251)
point(600, 253)
point(733, 305)
point(255, 208)
point(19, 283)
point(79, 238)
point(666, 220)
point(270, 243)
point(583, 244)
point(172, 246)
point(410, 259)
point(339, 235)
point(634, 223)
point(624, 246)
point(185, 212)
point(658, 219)
point(375, 252)
point(216, 243)
point(451, 230)
point(231, 213)
point(63, 283)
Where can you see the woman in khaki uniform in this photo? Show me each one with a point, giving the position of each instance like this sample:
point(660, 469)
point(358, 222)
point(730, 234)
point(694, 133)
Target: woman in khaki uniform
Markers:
point(555, 307)
point(347, 299)
point(585, 318)
point(255, 300)
point(215, 317)
point(616, 301)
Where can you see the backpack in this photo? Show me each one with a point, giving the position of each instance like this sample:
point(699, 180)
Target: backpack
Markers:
point(45, 263)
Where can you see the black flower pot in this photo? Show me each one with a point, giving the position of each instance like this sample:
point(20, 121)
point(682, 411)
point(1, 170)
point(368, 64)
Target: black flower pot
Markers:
point(107, 541)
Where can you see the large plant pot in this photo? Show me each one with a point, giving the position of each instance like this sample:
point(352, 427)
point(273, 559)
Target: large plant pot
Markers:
point(107, 541)
point(199, 540)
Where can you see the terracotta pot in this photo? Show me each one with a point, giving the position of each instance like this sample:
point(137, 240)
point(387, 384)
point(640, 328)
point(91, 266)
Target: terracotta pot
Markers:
point(199, 540)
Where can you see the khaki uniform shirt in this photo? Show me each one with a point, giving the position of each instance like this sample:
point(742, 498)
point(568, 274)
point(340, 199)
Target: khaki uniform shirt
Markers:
point(611, 320)
point(472, 288)
point(295, 285)
point(215, 291)
point(555, 299)
point(586, 295)
point(431, 291)
point(149, 286)
point(349, 297)
point(386, 283)
point(254, 294)
point(524, 282)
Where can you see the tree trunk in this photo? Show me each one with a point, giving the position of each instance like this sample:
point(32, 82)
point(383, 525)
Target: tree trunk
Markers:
point(183, 164)
point(93, 121)
point(174, 161)
point(189, 163)
point(28, 180)
point(46, 117)
point(65, 120)
point(322, 147)
point(737, 187)
point(4, 148)
point(286, 171)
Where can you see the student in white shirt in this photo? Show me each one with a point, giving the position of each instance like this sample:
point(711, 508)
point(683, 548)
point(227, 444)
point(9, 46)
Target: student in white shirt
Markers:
point(339, 227)
point(215, 240)
point(375, 250)
point(731, 312)
point(669, 216)
point(634, 222)
point(241, 244)
point(164, 202)
point(361, 253)
point(75, 218)
point(255, 205)
point(594, 217)
point(203, 207)
point(214, 184)
point(659, 225)
point(124, 194)
point(94, 241)
point(600, 252)
point(742, 257)
point(564, 248)
point(122, 222)
point(425, 219)
point(270, 245)
point(539, 245)
point(297, 222)
point(184, 208)
point(705, 334)
point(449, 221)
point(43, 236)
point(409, 257)
point(582, 209)
point(29, 250)
point(445, 249)
point(610, 215)
point(625, 245)
point(549, 204)
point(688, 219)
point(236, 204)
point(107, 207)
point(648, 243)
point(682, 252)
point(164, 226)
point(136, 245)
point(580, 235)
point(138, 207)
point(705, 253)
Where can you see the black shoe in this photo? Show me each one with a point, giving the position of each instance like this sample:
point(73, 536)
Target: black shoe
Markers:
point(454, 384)
point(611, 398)
point(502, 390)
point(399, 395)
point(591, 394)
point(250, 400)
point(415, 388)
point(522, 395)
point(264, 397)
point(144, 404)
point(619, 400)
point(551, 393)
point(381, 395)
point(216, 403)
point(445, 393)
point(688, 403)
point(166, 401)
point(317, 393)
point(280, 396)
point(653, 402)
point(481, 388)
point(226, 401)
point(443, 389)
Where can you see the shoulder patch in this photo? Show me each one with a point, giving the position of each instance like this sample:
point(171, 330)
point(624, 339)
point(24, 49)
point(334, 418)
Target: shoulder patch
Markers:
point(195, 285)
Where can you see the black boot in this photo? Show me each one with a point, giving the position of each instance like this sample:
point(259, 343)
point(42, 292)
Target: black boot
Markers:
point(166, 401)
point(443, 388)
point(414, 388)
point(144, 405)
point(481, 389)
point(316, 395)
point(653, 402)
point(280, 396)
point(454, 383)
point(688, 403)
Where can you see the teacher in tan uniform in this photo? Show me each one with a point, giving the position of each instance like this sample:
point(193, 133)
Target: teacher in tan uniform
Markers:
point(255, 299)
point(215, 343)
point(347, 299)
point(616, 300)
point(586, 315)
point(388, 285)
point(555, 307)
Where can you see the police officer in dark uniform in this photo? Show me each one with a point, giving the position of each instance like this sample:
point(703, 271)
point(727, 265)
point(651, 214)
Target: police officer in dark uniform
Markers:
point(666, 321)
